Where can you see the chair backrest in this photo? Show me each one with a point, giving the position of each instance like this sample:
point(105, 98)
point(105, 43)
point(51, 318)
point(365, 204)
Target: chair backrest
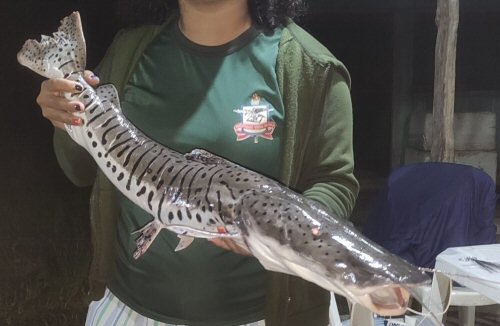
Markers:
point(425, 208)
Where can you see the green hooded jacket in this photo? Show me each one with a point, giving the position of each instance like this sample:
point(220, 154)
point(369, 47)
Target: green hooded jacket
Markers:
point(317, 157)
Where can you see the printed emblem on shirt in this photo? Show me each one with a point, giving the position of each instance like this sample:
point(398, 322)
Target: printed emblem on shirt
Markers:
point(256, 121)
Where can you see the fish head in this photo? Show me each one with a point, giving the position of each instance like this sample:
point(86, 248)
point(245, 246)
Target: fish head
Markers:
point(290, 234)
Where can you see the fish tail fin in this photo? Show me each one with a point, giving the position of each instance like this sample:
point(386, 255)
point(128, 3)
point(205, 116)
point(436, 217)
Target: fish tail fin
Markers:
point(59, 55)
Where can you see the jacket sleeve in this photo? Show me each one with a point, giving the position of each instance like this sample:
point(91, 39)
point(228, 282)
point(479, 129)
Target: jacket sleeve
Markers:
point(74, 160)
point(329, 161)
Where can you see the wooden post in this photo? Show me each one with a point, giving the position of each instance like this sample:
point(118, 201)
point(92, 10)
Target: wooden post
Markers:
point(442, 149)
point(403, 38)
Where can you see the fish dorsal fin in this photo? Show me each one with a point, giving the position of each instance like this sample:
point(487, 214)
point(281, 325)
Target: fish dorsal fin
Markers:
point(59, 55)
point(184, 242)
point(205, 157)
point(108, 92)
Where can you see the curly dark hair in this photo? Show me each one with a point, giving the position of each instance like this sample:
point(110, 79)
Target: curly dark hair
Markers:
point(267, 13)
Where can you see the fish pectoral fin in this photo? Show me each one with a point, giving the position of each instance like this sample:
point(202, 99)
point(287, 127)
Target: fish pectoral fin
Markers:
point(184, 242)
point(108, 92)
point(147, 235)
point(205, 157)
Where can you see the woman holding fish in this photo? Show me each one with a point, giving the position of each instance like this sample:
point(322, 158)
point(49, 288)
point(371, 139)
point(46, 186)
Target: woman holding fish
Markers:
point(237, 78)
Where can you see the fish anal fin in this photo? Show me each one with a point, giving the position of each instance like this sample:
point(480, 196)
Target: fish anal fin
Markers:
point(108, 92)
point(184, 242)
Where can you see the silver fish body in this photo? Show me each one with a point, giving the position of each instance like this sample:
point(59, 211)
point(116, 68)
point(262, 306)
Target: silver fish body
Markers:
point(202, 195)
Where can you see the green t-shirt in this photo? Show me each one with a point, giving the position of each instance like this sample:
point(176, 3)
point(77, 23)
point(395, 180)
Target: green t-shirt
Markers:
point(224, 99)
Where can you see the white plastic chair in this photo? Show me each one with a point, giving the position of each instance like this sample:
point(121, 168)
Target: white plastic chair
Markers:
point(360, 316)
point(334, 311)
point(442, 294)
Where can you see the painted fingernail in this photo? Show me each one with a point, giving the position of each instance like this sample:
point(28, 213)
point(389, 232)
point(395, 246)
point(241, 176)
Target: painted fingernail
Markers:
point(76, 121)
point(78, 87)
point(77, 107)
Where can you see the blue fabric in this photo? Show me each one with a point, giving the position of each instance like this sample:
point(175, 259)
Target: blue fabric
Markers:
point(427, 207)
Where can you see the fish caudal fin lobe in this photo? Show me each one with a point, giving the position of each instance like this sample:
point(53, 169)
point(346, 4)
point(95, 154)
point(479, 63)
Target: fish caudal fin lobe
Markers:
point(59, 55)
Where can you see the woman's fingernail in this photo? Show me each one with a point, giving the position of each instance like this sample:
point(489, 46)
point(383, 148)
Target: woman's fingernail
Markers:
point(76, 121)
point(77, 107)
point(94, 76)
point(78, 87)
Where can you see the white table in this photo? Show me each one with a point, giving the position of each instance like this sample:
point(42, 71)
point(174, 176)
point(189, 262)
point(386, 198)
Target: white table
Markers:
point(480, 286)
point(454, 263)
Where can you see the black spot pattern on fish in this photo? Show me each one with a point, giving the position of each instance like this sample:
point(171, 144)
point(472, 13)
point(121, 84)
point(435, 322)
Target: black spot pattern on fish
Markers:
point(108, 92)
point(141, 192)
point(150, 198)
point(199, 186)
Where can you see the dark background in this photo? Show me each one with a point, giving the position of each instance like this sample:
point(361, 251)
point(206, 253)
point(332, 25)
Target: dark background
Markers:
point(44, 234)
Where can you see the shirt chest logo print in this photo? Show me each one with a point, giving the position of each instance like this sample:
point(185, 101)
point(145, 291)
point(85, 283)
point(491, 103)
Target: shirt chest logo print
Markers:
point(255, 120)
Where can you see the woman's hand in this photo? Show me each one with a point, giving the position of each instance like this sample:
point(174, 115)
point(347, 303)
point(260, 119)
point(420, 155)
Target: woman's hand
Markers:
point(55, 107)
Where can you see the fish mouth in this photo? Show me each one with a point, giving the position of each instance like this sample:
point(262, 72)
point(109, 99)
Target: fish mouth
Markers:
point(388, 301)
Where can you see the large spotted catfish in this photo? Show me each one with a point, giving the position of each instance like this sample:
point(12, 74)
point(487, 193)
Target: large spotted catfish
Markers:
point(203, 195)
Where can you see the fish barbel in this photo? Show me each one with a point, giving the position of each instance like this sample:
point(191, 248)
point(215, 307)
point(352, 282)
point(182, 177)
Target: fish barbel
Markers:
point(202, 195)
